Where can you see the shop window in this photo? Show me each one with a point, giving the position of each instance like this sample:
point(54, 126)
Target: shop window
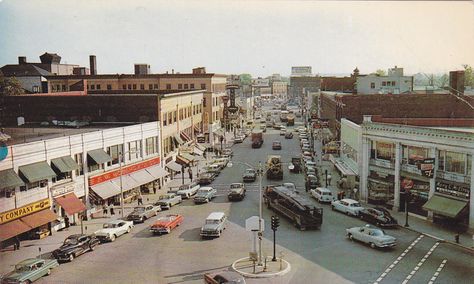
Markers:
point(142, 86)
point(135, 150)
point(109, 87)
point(164, 119)
point(168, 86)
point(455, 162)
point(114, 152)
point(384, 151)
point(180, 86)
point(78, 158)
point(441, 159)
point(469, 165)
point(155, 86)
point(175, 114)
point(98, 87)
point(7, 193)
point(412, 155)
point(393, 83)
point(151, 145)
point(64, 88)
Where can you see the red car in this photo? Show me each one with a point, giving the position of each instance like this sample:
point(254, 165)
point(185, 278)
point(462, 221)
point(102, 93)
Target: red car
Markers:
point(166, 224)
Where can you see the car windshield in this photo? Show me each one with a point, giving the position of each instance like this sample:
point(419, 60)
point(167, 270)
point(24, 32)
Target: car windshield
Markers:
point(355, 204)
point(233, 186)
point(212, 221)
point(139, 209)
point(250, 172)
point(109, 225)
point(377, 233)
point(203, 191)
point(71, 241)
point(22, 268)
point(165, 197)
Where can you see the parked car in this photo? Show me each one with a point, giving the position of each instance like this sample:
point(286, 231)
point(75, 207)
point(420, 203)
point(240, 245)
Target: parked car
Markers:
point(168, 200)
point(188, 190)
point(282, 131)
point(227, 152)
point(206, 178)
point(238, 139)
point(113, 229)
point(237, 191)
point(375, 237)
point(249, 175)
point(306, 147)
point(224, 277)
point(322, 194)
point(288, 135)
point(74, 246)
point(276, 145)
point(141, 213)
point(214, 225)
point(166, 223)
point(205, 194)
point(222, 162)
point(29, 270)
point(214, 168)
point(348, 206)
point(311, 182)
point(378, 216)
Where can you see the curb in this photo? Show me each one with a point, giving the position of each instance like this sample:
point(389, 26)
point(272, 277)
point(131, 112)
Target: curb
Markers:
point(471, 250)
point(266, 275)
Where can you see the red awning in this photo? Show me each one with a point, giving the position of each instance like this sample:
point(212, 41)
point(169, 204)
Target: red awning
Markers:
point(11, 229)
point(70, 203)
point(40, 218)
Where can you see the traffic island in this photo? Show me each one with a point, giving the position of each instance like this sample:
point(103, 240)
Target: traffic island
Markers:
point(249, 268)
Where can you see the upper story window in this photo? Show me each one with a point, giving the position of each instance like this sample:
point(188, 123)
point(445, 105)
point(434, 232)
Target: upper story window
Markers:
point(155, 86)
point(412, 154)
point(98, 87)
point(79, 160)
point(134, 150)
point(204, 102)
point(124, 87)
point(109, 87)
point(164, 119)
point(168, 86)
point(114, 152)
point(151, 145)
point(384, 83)
point(142, 86)
point(191, 86)
point(150, 86)
point(129, 86)
point(92, 87)
point(382, 150)
point(134, 86)
point(180, 86)
point(186, 86)
point(454, 162)
point(372, 85)
point(203, 86)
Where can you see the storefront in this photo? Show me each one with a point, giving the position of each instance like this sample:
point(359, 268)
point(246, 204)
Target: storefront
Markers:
point(380, 188)
point(28, 222)
point(67, 206)
point(419, 190)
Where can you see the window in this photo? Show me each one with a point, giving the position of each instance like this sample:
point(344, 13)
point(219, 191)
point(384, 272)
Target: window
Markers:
point(412, 155)
point(114, 152)
point(372, 85)
point(64, 88)
point(384, 151)
point(164, 119)
point(170, 118)
point(175, 114)
point(92, 87)
point(78, 158)
point(441, 159)
point(124, 87)
point(109, 87)
point(134, 86)
point(191, 86)
point(35, 89)
point(59, 175)
point(168, 86)
point(203, 86)
point(384, 83)
point(142, 86)
point(150, 86)
point(129, 86)
point(393, 83)
point(135, 149)
point(98, 87)
point(204, 102)
point(58, 88)
point(151, 145)
point(155, 86)
point(180, 86)
point(455, 162)
point(186, 86)
point(7, 192)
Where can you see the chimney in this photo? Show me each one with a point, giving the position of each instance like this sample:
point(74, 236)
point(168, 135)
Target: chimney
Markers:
point(93, 64)
point(21, 59)
point(456, 82)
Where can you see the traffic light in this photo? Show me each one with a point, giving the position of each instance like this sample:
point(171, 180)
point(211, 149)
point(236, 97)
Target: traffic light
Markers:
point(275, 222)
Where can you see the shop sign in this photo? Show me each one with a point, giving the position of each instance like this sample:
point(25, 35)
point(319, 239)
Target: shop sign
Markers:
point(426, 167)
point(62, 190)
point(407, 184)
point(25, 210)
point(125, 170)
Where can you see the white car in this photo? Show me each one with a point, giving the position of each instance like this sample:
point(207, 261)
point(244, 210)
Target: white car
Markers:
point(322, 194)
point(188, 190)
point(348, 206)
point(168, 200)
point(113, 229)
point(375, 237)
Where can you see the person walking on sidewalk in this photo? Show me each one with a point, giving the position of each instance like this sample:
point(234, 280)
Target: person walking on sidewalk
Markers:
point(140, 199)
point(329, 179)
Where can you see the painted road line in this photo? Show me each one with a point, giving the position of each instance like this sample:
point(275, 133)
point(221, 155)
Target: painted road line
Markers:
point(392, 265)
point(436, 274)
point(412, 273)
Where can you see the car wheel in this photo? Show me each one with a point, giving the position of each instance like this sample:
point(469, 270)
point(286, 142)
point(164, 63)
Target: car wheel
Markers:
point(112, 238)
point(350, 237)
point(48, 272)
point(128, 230)
point(372, 245)
point(333, 208)
point(71, 257)
point(91, 247)
point(347, 213)
point(207, 200)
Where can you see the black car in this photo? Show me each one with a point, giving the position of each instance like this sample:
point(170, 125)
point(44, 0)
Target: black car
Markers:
point(250, 175)
point(75, 245)
point(378, 216)
point(289, 135)
point(311, 182)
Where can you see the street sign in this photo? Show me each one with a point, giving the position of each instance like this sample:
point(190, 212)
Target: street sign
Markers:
point(426, 167)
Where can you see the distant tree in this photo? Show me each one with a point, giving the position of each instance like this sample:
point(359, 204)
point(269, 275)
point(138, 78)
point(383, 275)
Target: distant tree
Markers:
point(380, 72)
point(10, 86)
point(245, 79)
point(468, 75)
point(442, 80)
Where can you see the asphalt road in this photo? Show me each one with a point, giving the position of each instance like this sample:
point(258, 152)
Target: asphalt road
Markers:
point(317, 256)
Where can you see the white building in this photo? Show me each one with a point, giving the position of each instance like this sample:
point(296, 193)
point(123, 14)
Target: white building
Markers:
point(73, 176)
point(393, 83)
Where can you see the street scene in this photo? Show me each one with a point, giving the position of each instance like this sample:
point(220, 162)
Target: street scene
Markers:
point(253, 174)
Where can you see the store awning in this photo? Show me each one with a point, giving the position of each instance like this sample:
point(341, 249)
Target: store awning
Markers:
point(39, 219)
point(11, 229)
point(70, 203)
point(8, 179)
point(142, 177)
point(343, 168)
point(201, 147)
point(127, 182)
point(187, 156)
point(185, 136)
point(178, 139)
point(99, 156)
point(219, 132)
point(182, 159)
point(106, 189)
point(65, 164)
point(157, 172)
point(174, 166)
point(37, 171)
point(198, 151)
point(445, 206)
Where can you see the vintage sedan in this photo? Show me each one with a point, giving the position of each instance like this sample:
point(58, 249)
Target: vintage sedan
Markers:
point(224, 277)
point(141, 213)
point(75, 245)
point(288, 135)
point(375, 237)
point(378, 216)
point(276, 145)
point(249, 175)
point(348, 206)
point(206, 178)
point(29, 270)
point(237, 191)
point(168, 200)
point(166, 224)
point(188, 190)
point(205, 194)
point(113, 229)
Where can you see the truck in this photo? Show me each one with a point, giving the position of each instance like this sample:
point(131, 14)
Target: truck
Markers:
point(290, 119)
point(289, 203)
point(257, 138)
point(274, 167)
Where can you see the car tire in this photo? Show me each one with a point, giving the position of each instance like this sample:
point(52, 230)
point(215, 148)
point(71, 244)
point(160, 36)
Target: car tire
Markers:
point(207, 200)
point(350, 237)
point(129, 229)
point(372, 245)
point(48, 272)
point(71, 257)
point(112, 238)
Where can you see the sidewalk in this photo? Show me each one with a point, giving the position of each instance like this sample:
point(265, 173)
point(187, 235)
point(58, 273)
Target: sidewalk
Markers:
point(419, 225)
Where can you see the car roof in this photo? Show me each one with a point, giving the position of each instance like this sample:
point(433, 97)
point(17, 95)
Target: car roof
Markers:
point(323, 189)
point(206, 188)
point(75, 236)
point(349, 200)
point(216, 215)
point(28, 261)
point(114, 221)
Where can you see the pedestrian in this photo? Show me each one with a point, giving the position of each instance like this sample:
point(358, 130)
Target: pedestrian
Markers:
point(105, 209)
point(66, 221)
point(329, 179)
point(16, 245)
point(112, 212)
point(190, 172)
point(140, 199)
point(154, 188)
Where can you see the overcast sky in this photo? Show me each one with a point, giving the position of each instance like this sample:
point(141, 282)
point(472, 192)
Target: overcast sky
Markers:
point(257, 37)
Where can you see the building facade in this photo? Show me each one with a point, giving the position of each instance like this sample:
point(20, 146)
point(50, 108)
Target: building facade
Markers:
point(394, 83)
